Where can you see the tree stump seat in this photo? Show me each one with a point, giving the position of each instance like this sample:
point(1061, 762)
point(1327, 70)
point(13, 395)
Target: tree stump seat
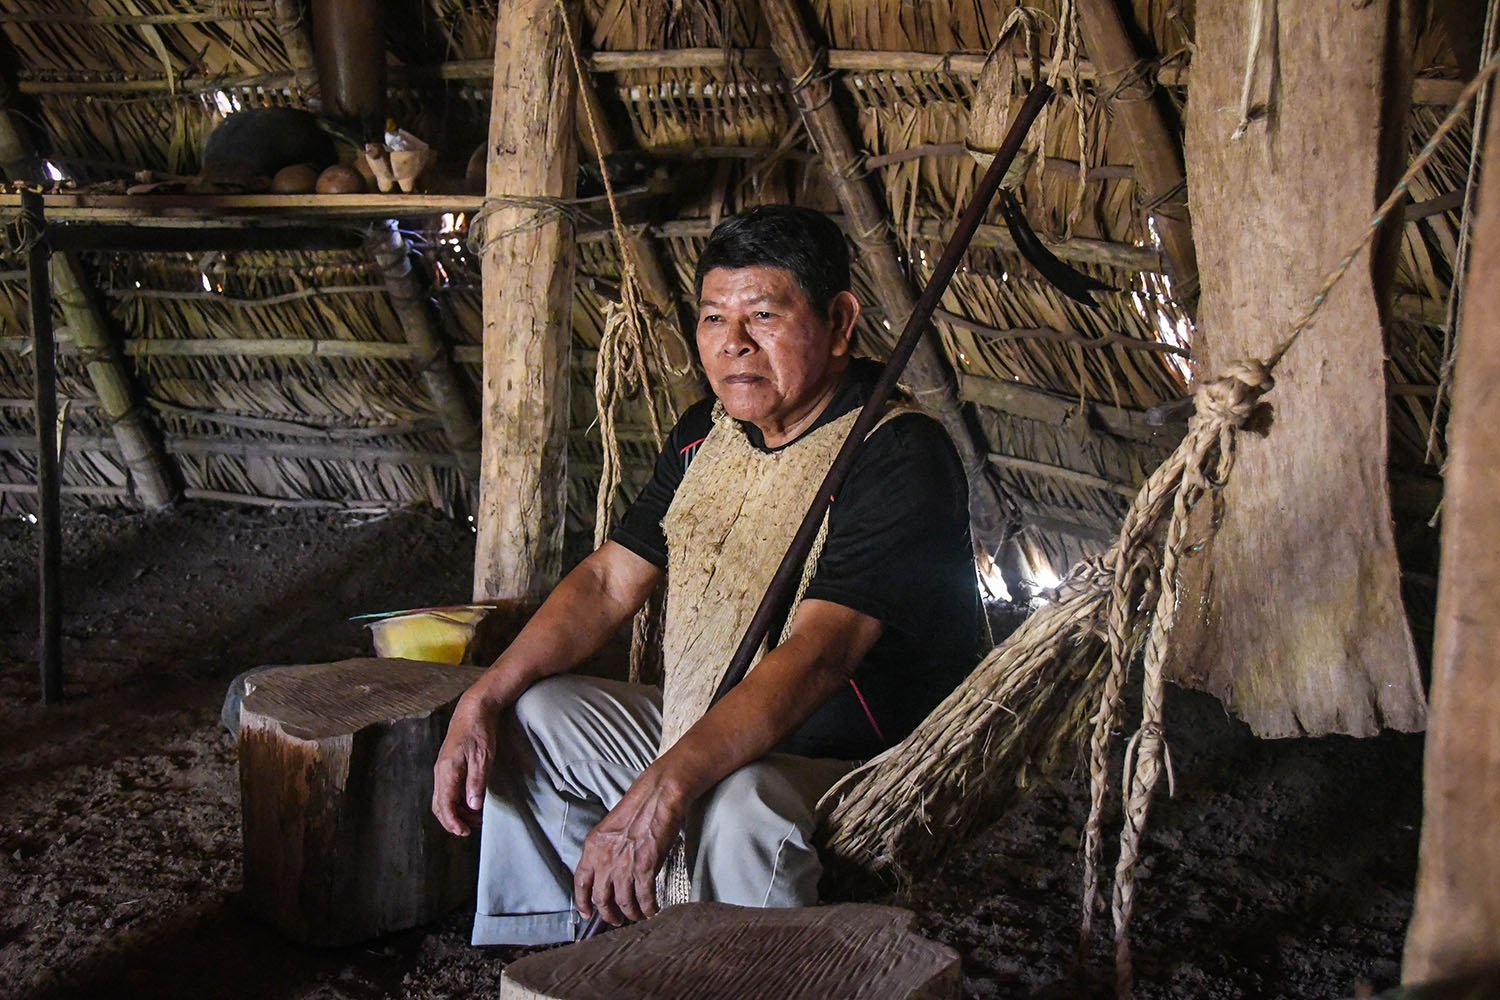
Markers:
point(853, 951)
point(335, 789)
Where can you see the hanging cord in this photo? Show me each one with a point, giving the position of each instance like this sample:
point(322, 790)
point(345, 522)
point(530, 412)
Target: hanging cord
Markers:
point(1461, 254)
point(630, 362)
point(1202, 464)
point(544, 211)
point(1252, 63)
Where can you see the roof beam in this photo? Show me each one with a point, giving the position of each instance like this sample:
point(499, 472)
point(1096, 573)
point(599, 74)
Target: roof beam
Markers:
point(928, 371)
point(1428, 91)
point(1047, 407)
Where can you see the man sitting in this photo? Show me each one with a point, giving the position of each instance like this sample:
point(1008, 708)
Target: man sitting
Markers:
point(583, 785)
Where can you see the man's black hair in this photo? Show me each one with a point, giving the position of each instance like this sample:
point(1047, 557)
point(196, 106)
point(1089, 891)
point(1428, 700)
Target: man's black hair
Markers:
point(806, 243)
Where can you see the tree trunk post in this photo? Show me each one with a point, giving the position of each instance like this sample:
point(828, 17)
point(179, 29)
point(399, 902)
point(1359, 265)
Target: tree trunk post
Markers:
point(1453, 928)
point(527, 269)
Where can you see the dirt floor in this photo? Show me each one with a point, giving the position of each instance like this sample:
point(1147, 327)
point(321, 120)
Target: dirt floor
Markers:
point(1280, 869)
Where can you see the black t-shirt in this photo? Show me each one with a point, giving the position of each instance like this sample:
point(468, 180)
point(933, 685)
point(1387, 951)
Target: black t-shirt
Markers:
point(897, 550)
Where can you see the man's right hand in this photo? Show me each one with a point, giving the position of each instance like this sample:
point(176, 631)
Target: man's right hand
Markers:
point(585, 609)
point(463, 764)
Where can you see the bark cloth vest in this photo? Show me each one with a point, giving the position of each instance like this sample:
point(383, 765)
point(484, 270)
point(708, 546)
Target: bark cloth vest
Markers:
point(727, 529)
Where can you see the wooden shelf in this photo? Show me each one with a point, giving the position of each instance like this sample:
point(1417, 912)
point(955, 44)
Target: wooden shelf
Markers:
point(241, 209)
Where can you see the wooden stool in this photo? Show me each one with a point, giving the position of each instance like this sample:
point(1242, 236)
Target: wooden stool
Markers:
point(853, 951)
point(336, 789)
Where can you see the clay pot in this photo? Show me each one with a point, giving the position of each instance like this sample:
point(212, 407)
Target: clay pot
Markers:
point(299, 178)
point(339, 179)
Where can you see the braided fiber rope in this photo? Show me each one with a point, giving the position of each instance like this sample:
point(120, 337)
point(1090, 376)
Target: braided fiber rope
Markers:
point(630, 362)
point(1062, 673)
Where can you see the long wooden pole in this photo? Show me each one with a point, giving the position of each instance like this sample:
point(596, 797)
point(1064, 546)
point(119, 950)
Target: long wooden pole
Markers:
point(929, 374)
point(48, 478)
point(527, 269)
point(1454, 925)
point(1157, 149)
point(439, 373)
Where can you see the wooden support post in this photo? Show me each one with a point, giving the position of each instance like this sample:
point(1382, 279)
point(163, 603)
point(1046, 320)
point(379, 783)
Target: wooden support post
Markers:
point(527, 270)
point(48, 474)
point(1453, 928)
point(1157, 151)
point(151, 472)
point(430, 352)
point(928, 373)
point(1301, 629)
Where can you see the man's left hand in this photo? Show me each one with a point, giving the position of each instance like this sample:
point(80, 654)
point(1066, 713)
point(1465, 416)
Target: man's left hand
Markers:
point(617, 871)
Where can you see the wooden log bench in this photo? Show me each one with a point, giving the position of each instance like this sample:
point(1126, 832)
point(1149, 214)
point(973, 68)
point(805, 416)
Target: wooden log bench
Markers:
point(335, 789)
point(853, 951)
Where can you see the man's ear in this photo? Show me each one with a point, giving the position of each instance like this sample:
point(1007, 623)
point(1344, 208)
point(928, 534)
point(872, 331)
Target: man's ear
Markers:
point(843, 315)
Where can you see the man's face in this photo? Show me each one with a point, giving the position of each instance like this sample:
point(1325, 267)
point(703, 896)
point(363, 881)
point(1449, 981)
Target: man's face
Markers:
point(771, 359)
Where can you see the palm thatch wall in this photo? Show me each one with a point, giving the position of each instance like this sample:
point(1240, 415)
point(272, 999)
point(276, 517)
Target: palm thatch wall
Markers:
point(285, 378)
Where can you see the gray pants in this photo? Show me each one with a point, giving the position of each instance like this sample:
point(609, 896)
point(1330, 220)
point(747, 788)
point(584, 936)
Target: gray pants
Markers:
point(571, 749)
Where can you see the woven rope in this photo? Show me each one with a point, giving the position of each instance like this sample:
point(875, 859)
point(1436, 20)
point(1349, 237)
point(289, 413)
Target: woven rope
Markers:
point(630, 359)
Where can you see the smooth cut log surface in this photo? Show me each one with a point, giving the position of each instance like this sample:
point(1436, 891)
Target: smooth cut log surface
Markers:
point(335, 788)
point(527, 270)
point(853, 951)
point(1455, 929)
point(1302, 630)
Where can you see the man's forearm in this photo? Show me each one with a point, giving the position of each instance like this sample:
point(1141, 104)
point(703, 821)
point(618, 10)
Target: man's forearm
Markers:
point(573, 623)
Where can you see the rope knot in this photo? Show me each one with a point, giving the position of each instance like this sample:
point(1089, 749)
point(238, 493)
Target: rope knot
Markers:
point(1230, 398)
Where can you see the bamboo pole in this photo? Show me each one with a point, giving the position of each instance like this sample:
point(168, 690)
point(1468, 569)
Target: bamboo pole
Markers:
point(439, 375)
point(264, 347)
point(291, 24)
point(928, 372)
point(348, 43)
point(1054, 408)
point(151, 471)
point(1157, 149)
point(527, 269)
point(1453, 928)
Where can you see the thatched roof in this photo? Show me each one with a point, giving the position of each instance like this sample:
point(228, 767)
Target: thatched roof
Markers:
point(113, 86)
